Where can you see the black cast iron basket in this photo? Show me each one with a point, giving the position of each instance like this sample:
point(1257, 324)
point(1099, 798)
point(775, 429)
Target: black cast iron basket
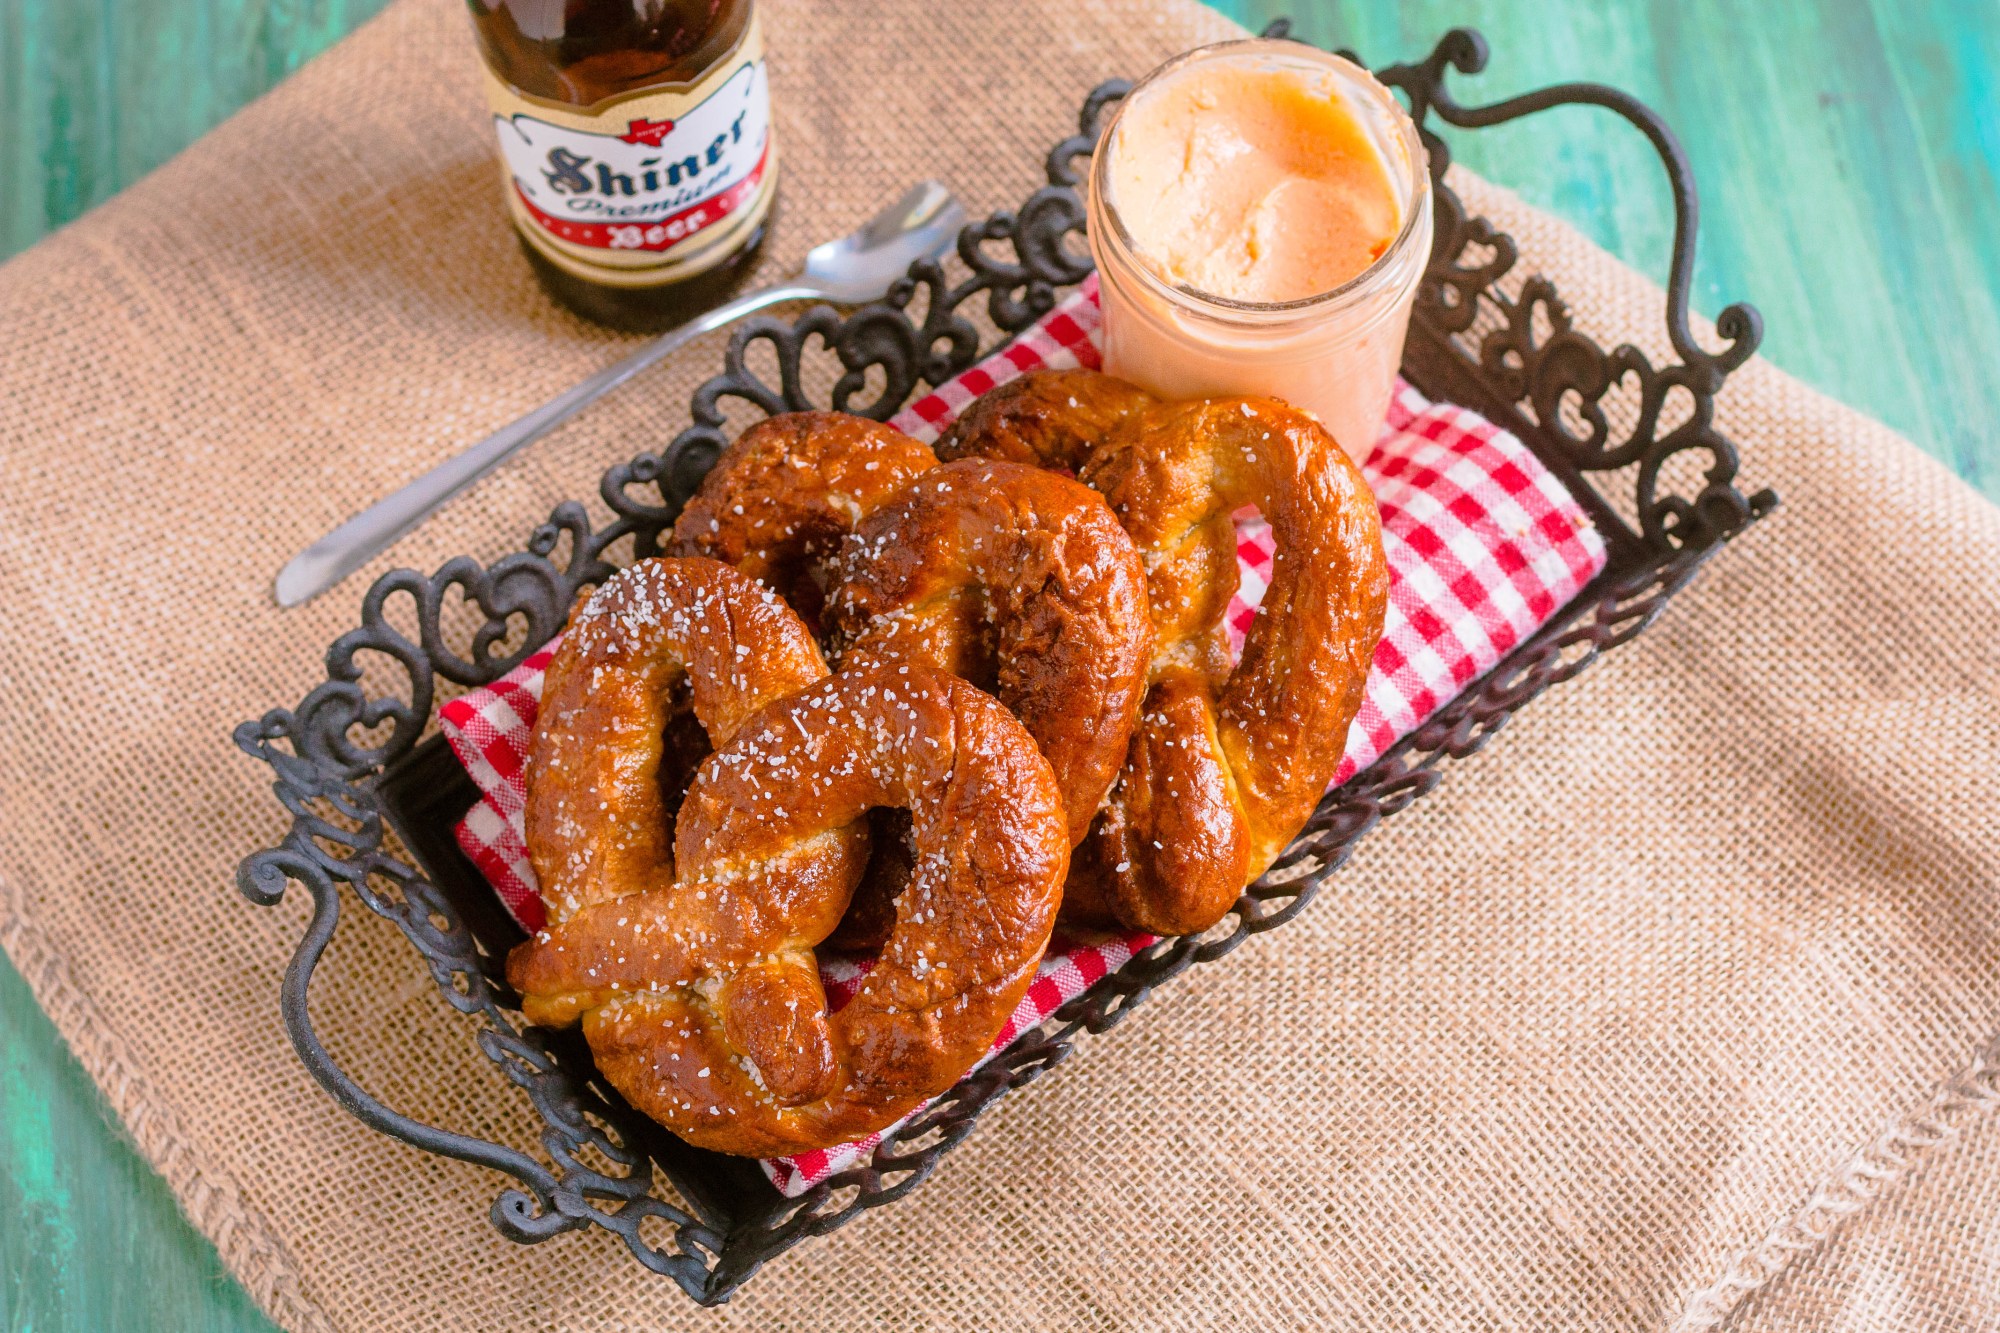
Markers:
point(1633, 442)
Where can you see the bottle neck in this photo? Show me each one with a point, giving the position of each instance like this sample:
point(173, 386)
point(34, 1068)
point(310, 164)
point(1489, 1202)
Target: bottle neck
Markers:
point(585, 53)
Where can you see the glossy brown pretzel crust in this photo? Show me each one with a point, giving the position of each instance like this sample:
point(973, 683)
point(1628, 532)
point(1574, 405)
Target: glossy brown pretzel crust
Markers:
point(1002, 573)
point(776, 505)
point(660, 640)
point(1013, 577)
point(780, 499)
point(1226, 765)
point(1051, 418)
point(701, 998)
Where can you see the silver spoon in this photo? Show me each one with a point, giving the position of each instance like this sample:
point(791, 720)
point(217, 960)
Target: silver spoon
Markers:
point(859, 267)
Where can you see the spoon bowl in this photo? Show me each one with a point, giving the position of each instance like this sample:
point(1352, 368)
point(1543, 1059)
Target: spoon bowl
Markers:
point(862, 265)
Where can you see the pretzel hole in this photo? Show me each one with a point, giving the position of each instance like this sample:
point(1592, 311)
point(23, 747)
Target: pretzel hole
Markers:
point(871, 914)
point(1254, 566)
point(684, 744)
point(980, 653)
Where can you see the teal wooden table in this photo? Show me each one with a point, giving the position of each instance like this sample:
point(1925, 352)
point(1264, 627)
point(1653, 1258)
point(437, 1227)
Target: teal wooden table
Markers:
point(1849, 160)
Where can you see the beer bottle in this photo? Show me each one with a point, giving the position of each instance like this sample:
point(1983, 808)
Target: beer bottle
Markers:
point(635, 141)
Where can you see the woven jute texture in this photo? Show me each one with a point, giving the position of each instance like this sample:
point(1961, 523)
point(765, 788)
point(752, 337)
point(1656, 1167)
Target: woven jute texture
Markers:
point(1672, 1006)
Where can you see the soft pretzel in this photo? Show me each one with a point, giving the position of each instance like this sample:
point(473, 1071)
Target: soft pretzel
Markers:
point(1226, 764)
point(776, 505)
point(700, 998)
point(1014, 578)
point(778, 501)
point(1051, 418)
point(660, 641)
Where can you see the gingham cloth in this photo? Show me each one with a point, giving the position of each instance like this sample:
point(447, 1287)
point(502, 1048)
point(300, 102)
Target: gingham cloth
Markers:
point(1483, 545)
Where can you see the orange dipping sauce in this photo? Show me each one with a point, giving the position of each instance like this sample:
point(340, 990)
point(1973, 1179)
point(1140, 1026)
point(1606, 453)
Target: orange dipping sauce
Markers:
point(1260, 213)
point(1254, 184)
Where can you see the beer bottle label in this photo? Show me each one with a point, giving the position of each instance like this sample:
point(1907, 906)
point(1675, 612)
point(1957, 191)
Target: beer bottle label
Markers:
point(647, 188)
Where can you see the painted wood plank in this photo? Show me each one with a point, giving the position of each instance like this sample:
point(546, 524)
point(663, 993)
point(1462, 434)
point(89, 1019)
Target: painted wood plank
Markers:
point(95, 93)
point(90, 1239)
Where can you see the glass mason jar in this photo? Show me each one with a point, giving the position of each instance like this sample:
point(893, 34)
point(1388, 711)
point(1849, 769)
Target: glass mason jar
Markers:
point(1334, 353)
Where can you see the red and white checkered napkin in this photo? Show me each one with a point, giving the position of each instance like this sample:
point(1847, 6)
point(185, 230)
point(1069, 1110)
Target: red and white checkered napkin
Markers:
point(1483, 544)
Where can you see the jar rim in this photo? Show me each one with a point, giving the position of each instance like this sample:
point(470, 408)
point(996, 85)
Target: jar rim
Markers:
point(1415, 162)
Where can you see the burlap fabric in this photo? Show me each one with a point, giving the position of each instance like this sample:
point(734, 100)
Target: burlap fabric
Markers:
point(1674, 1005)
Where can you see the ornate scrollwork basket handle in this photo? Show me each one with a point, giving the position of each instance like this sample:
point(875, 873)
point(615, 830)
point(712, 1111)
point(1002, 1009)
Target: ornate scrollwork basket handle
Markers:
point(528, 1215)
point(1464, 50)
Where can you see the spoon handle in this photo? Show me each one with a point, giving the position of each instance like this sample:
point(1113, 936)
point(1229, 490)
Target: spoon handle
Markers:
point(358, 540)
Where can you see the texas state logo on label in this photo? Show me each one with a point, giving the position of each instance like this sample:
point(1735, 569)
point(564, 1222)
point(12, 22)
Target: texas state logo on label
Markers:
point(631, 185)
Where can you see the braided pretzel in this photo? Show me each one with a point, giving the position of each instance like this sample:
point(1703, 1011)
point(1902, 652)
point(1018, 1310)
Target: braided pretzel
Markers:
point(1226, 765)
point(1004, 573)
point(700, 998)
point(661, 641)
point(1014, 577)
point(778, 501)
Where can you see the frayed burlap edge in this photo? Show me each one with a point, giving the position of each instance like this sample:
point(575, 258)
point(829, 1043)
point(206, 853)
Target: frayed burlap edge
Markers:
point(1892, 1159)
point(208, 1197)
point(1873, 1172)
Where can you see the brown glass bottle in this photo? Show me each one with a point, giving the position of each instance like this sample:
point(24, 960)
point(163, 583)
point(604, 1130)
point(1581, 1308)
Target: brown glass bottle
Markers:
point(636, 148)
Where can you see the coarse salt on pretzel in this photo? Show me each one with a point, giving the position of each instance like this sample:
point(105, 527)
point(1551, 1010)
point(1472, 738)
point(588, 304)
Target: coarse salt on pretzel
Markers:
point(701, 999)
point(1264, 739)
point(1029, 564)
point(661, 643)
point(775, 505)
point(1227, 763)
point(1018, 579)
point(780, 498)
